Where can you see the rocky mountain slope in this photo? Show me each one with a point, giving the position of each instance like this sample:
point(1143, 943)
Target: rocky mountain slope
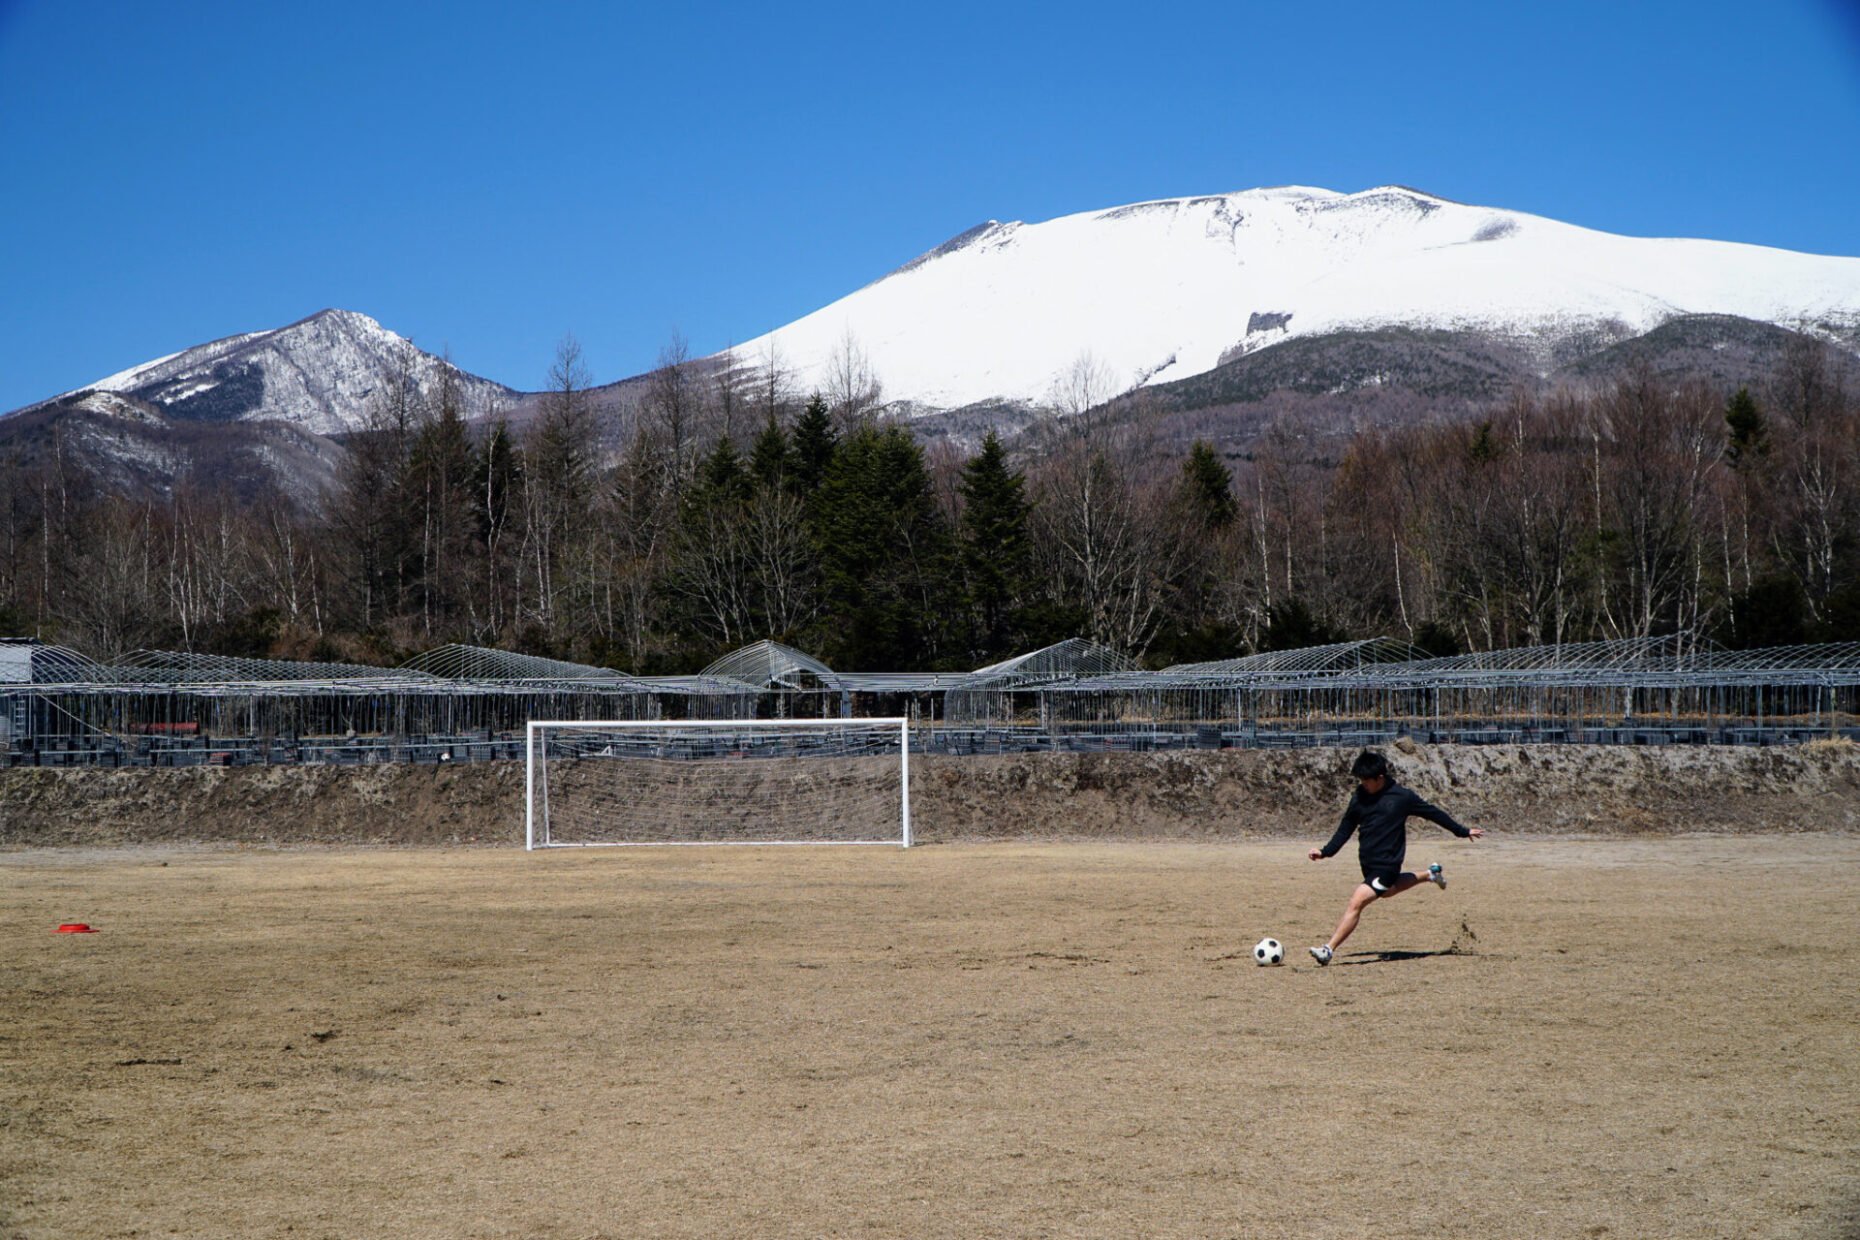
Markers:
point(318, 374)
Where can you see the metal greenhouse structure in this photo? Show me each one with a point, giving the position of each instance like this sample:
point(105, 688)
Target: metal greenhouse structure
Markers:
point(467, 703)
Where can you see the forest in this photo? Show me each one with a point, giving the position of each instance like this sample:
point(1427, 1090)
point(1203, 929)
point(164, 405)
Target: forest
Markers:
point(722, 509)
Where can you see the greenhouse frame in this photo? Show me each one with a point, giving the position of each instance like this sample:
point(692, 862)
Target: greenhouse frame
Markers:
point(465, 703)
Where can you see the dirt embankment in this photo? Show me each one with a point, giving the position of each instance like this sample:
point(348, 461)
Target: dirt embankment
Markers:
point(1226, 794)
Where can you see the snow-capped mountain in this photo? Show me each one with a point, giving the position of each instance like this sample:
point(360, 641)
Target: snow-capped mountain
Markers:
point(129, 447)
point(1157, 292)
point(319, 374)
point(1329, 309)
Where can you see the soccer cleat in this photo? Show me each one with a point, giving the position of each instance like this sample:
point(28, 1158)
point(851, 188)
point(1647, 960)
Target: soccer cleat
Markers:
point(1437, 876)
point(1321, 954)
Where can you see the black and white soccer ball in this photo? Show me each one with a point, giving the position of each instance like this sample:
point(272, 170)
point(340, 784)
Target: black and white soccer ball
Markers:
point(1268, 952)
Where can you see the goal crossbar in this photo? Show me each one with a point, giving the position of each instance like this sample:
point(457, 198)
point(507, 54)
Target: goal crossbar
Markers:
point(536, 792)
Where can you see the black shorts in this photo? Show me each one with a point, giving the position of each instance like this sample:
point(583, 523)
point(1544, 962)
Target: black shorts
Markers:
point(1383, 884)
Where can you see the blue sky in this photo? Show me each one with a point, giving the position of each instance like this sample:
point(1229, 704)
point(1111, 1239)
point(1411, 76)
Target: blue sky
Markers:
point(488, 176)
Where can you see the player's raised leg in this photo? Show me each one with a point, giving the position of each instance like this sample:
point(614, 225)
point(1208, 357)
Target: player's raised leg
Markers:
point(1367, 893)
point(1360, 899)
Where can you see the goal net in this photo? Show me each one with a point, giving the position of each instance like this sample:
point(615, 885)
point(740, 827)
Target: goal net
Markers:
point(737, 781)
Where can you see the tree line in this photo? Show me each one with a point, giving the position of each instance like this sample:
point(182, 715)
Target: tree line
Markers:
point(722, 506)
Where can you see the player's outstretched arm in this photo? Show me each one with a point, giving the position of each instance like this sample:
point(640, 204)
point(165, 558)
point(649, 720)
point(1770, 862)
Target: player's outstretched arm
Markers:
point(1344, 829)
point(1440, 818)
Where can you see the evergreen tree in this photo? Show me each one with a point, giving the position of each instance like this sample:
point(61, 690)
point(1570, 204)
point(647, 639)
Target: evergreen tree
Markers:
point(722, 478)
point(712, 570)
point(772, 456)
point(378, 541)
point(815, 443)
point(1483, 447)
point(1207, 487)
point(441, 481)
point(884, 553)
point(995, 550)
point(1191, 629)
point(1773, 612)
point(1291, 626)
point(1437, 640)
point(1747, 432)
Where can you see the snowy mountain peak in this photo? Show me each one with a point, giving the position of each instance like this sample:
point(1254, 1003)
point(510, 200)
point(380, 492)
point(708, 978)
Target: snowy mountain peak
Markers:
point(1162, 290)
point(319, 373)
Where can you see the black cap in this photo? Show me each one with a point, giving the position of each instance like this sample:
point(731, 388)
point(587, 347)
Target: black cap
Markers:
point(1369, 764)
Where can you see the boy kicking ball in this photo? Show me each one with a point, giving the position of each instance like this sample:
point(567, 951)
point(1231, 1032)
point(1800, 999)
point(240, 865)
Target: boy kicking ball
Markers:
point(1378, 814)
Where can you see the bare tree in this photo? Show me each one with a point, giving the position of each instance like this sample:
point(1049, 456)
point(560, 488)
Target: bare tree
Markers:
point(774, 385)
point(640, 516)
point(853, 389)
point(713, 569)
point(1663, 449)
point(781, 562)
point(1080, 393)
point(558, 481)
point(204, 560)
point(1112, 543)
point(1819, 463)
point(497, 492)
point(733, 396)
point(120, 604)
point(285, 563)
point(673, 408)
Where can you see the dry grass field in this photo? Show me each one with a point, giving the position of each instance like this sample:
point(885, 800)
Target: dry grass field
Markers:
point(1580, 1037)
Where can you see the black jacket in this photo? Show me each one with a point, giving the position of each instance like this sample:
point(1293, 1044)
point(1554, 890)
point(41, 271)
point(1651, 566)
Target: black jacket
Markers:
point(1381, 826)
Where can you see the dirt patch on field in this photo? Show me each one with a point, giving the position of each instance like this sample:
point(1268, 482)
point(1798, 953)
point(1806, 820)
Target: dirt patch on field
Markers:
point(1590, 1038)
point(1196, 795)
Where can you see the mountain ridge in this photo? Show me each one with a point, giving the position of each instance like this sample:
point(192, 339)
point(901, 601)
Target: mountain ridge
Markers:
point(1224, 312)
point(319, 373)
point(1168, 288)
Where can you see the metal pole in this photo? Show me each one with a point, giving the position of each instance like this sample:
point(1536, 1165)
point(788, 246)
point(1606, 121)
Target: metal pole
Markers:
point(529, 786)
point(904, 734)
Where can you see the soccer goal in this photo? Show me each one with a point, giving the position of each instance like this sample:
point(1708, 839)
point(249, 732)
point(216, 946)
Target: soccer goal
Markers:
point(726, 781)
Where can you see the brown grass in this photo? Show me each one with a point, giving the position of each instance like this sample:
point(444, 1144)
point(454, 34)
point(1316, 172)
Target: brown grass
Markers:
point(1578, 1038)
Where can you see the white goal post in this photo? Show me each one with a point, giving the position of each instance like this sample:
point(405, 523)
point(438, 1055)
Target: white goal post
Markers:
point(717, 781)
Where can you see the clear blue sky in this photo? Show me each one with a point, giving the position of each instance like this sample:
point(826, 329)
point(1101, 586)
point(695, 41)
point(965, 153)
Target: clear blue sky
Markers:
point(488, 176)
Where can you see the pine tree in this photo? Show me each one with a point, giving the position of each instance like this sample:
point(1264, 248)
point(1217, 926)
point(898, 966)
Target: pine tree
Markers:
point(995, 550)
point(379, 541)
point(1207, 487)
point(1748, 432)
point(884, 553)
point(441, 471)
point(1291, 626)
point(722, 478)
point(772, 456)
point(712, 568)
point(1483, 447)
point(815, 444)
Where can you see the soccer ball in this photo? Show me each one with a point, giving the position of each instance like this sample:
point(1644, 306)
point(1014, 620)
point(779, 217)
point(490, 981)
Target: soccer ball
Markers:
point(1268, 951)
